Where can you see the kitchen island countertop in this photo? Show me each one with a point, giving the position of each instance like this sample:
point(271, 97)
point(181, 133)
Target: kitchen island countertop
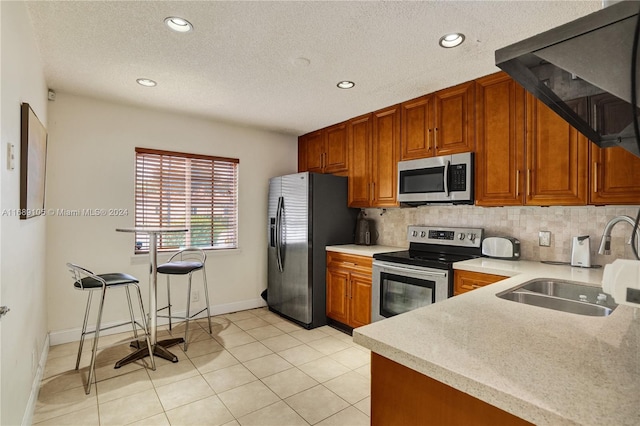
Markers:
point(545, 366)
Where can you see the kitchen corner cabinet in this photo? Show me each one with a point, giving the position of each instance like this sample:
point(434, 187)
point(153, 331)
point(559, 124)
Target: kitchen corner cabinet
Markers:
point(349, 289)
point(325, 150)
point(438, 124)
point(374, 142)
point(464, 281)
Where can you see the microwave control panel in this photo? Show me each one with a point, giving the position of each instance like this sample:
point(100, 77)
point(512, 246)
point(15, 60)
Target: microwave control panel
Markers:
point(458, 177)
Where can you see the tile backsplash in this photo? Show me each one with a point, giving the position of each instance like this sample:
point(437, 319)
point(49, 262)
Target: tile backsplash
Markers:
point(523, 223)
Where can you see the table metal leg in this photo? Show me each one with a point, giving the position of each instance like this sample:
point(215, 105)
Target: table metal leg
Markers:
point(159, 349)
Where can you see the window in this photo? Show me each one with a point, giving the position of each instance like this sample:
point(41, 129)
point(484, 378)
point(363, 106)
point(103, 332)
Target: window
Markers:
point(197, 192)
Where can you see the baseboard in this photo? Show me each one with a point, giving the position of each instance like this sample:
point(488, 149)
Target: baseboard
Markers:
point(27, 419)
point(73, 334)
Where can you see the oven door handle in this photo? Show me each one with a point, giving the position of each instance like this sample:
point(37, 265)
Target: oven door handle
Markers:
point(412, 270)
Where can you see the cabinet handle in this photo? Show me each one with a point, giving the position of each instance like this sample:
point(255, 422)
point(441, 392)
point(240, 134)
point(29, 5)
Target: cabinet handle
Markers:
point(517, 183)
point(373, 191)
point(475, 286)
point(429, 140)
point(528, 182)
point(595, 177)
point(435, 138)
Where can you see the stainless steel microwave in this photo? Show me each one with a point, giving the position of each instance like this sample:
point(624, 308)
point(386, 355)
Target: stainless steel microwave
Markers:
point(437, 180)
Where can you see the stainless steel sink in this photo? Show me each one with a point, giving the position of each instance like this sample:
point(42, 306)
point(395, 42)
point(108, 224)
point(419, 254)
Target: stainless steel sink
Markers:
point(566, 296)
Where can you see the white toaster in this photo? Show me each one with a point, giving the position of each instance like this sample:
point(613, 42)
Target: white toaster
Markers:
point(507, 248)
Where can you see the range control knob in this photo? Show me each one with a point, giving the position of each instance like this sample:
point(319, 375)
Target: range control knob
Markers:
point(414, 233)
point(472, 237)
point(423, 234)
point(461, 236)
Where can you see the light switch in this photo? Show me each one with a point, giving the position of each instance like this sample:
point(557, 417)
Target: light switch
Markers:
point(11, 157)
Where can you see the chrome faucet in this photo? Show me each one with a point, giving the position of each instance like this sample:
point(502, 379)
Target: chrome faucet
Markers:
point(605, 244)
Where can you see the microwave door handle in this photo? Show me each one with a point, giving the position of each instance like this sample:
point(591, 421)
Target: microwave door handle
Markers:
point(446, 178)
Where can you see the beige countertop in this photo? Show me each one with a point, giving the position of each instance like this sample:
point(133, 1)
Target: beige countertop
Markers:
point(548, 367)
point(368, 251)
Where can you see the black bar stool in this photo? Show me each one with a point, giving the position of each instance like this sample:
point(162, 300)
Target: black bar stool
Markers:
point(186, 261)
point(88, 281)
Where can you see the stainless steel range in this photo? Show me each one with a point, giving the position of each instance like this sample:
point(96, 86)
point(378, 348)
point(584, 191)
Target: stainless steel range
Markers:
point(422, 275)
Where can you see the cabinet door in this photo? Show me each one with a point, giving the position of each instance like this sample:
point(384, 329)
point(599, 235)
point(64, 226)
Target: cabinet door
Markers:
point(315, 151)
point(557, 159)
point(386, 147)
point(455, 116)
point(500, 141)
point(360, 300)
point(465, 281)
point(337, 302)
point(615, 176)
point(615, 173)
point(336, 149)
point(359, 134)
point(302, 154)
point(417, 122)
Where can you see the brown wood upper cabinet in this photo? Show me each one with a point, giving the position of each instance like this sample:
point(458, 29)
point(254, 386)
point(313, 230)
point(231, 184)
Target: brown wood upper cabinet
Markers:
point(374, 142)
point(614, 172)
point(438, 124)
point(325, 150)
point(526, 153)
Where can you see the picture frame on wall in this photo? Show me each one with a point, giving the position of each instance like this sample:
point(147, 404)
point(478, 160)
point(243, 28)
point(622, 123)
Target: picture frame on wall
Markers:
point(33, 161)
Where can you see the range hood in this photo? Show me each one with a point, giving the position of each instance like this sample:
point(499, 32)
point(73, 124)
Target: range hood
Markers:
point(582, 71)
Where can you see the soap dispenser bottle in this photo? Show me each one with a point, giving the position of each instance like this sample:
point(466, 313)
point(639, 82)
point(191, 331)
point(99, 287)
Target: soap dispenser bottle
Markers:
point(581, 252)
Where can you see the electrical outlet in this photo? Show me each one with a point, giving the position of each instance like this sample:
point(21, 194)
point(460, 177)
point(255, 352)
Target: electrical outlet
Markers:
point(195, 296)
point(544, 238)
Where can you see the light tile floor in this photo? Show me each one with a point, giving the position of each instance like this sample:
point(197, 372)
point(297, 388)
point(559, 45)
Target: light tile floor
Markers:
point(255, 369)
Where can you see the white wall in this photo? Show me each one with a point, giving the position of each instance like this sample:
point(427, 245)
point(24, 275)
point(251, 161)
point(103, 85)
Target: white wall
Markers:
point(91, 165)
point(22, 243)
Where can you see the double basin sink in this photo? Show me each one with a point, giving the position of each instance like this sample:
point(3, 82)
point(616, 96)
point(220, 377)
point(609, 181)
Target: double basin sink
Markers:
point(566, 296)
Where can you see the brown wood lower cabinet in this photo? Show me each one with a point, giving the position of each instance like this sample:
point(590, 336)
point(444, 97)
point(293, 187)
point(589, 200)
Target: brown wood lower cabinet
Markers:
point(401, 396)
point(349, 289)
point(464, 281)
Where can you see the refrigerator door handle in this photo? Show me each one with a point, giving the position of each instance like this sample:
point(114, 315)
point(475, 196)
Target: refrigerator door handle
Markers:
point(279, 233)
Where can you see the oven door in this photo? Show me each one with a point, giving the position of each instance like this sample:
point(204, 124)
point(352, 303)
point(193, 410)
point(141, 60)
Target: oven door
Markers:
point(401, 288)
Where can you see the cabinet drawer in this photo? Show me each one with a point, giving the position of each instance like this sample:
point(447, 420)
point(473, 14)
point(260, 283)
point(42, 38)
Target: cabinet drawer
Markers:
point(349, 262)
point(466, 281)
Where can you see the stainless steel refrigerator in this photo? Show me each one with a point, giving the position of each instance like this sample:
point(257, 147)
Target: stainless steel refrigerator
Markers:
point(307, 212)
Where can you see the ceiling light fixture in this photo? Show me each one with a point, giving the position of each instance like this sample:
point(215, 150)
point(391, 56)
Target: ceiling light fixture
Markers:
point(146, 82)
point(451, 40)
point(346, 84)
point(180, 25)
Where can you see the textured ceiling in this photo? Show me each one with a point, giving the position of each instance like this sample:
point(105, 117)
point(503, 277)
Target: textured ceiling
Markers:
point(240, 64)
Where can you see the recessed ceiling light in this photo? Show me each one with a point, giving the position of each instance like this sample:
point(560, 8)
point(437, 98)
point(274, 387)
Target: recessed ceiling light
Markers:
point(451, 40)
point(146, 82)
point(178, 24)
point(346, 84)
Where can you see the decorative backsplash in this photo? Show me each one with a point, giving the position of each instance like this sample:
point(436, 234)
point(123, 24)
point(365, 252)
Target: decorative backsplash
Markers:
point(523, 223)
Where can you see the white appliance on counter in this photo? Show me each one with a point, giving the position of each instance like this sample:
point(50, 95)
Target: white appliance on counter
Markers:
point(422, 275)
